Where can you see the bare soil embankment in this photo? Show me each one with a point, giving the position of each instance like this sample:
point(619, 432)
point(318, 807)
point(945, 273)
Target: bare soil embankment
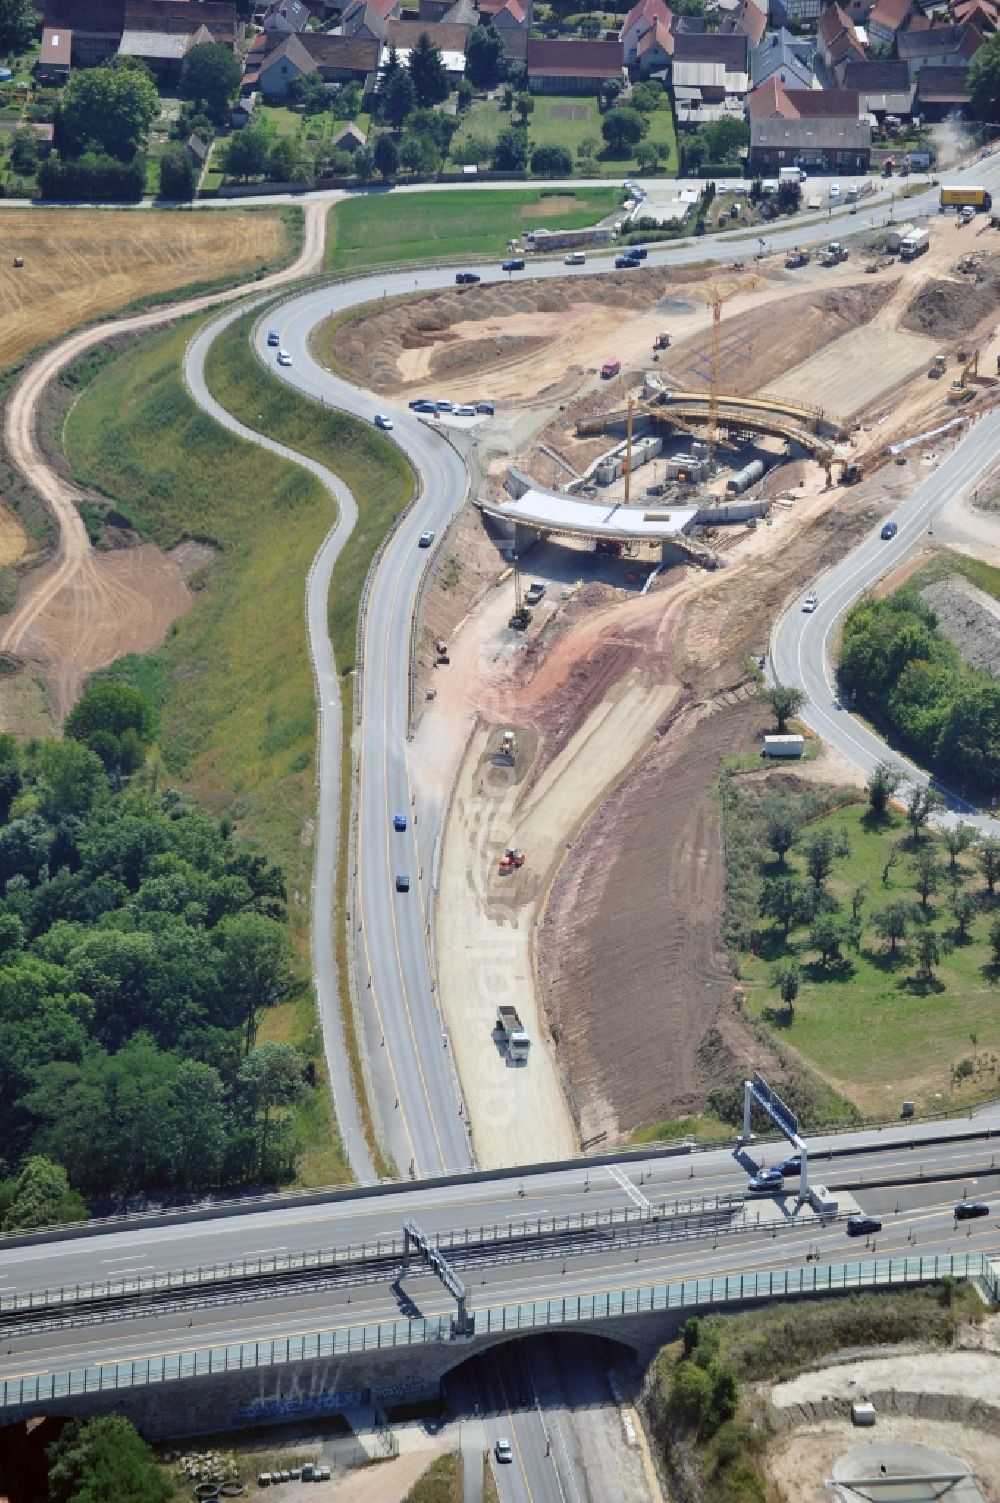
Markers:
point(969, 618)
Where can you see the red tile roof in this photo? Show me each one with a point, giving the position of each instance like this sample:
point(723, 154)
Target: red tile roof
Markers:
point(890, 13)
point(647, 10)
point(571, 59)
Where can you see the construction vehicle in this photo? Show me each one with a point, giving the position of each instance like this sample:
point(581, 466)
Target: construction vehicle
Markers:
point(510, 1030)
point(534, 593)
point(938, 366)
point(507, 750)
point(610, 369)
point(521, 619)
point(798, 256)
point(511, 861)
point(662, 341)
point(441, 649)
point(833, 254)
point(914, 244)
point(851, 474)
point(887, 167)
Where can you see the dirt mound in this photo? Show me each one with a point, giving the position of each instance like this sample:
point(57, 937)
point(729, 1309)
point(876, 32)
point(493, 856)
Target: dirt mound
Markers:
point(969, 618)
point(949, 307)
point(634, 916)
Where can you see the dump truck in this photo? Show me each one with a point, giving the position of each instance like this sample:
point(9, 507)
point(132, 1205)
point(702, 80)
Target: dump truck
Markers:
point(833, 254)
point(510, 1030)
point(511, 860)
point(662, 341)
point(938, 367)
point(913, 245)
point(960, 196)
point(610, 369)
point(507, 750)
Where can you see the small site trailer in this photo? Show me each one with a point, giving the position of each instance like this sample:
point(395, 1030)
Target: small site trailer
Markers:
point(784, 746)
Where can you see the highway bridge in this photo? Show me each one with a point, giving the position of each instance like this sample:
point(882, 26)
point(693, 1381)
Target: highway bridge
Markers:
point(244, 1315)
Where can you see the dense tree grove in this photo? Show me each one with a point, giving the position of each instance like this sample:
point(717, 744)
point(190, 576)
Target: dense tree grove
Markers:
point(909, 677)
point(139, 947)
point(96, 1460)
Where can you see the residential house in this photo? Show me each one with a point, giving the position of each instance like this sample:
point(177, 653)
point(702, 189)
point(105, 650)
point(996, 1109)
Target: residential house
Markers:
point(572, 67)
point(185, 17)
point(837, 41)
point(710, 77)
point(887, 18)
point(367, 18)
point(942, 91)
point(340, 59)
point(938, 47)
point(285, 63)
point(94, 28)
point(283, 16)
point(781, 12)
point(434, 10)
point(784, 56)
point(818, 129)
point(984, 15)
point(747, 20)
point(198, 147)
point(242, 111)
point(513, 21)
point(640, 21)
point(818, 145)
point(656, 51)
point(53, 62)
point(883, 86)
point(257, 52)
point(451, 39)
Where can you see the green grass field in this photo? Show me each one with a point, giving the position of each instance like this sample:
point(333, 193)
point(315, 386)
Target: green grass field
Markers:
point(377, 230)
point(566, 120)
point(234, 679)
point(875, 1032)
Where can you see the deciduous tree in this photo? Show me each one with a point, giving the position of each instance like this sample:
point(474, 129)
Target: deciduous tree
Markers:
point(210, 77)
point(106, 109)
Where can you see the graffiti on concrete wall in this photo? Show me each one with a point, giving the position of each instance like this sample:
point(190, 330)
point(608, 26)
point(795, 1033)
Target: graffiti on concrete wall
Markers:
point(301, 1404)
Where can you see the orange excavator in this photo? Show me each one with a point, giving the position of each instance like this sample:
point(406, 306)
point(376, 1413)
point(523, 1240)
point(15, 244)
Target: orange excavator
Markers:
point(511, 860)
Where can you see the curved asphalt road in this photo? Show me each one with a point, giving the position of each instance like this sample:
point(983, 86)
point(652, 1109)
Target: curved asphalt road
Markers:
point(801, 643)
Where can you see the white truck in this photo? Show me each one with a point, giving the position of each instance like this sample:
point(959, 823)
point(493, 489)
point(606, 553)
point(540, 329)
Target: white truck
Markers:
point(510, 1030)
point(791, 175)
point(914, 244)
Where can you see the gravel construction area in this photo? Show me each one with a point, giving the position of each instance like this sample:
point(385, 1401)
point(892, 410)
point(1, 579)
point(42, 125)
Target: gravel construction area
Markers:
point(944, 308)
point(969, 618)
point(855, 371)
point(799, 1465)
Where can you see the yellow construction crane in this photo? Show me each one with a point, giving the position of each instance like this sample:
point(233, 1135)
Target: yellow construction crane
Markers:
point(715, 302)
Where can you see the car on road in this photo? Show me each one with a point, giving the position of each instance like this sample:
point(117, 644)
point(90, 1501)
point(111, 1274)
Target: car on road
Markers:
point(834, 191)
point(383, 421)
point(503, 1450)
point(968, 1210)
point(625, 263)
point(810, 603)
point(517, 264)
point(863, 1226)
point(402, 882)
point(425, 540)
point(273, 338)
point(639, 252)
point(284, 358)
point(463, 277)
point(486, 408)
point(422, 404)
point(534, 593)
point(464, 409)
point(767, 1182)
point(399, 822)
point(791, 1166)
point(444, 406)
point(889, 531)
point(575, 258)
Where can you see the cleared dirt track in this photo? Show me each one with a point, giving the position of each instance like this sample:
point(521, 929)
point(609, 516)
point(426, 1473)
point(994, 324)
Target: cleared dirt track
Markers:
point(79, 613)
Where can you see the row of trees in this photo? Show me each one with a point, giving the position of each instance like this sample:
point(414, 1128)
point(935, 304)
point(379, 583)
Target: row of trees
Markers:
point(139, 948)
point(913, 681)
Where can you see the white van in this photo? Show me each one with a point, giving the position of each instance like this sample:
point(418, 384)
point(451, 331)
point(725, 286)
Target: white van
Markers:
point(834, 192)
point(575, 258)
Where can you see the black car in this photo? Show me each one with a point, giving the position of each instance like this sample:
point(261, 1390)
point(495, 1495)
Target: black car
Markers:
point(421, 404)
point(863, 1226)
point(790, 1166)
point(889, 530)
point(516, 265)
point(638, 251)
point(402, 882)
point(625, 263)
point(968, 1210)
point(461, 277)
point(486, 408)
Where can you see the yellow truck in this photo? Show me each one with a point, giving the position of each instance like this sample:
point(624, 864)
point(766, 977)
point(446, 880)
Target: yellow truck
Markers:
point(961, 197)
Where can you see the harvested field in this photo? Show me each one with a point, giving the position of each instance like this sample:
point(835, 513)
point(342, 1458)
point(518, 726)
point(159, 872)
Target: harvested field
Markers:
point(969, 618)
point(856, 370)
point(81, 263)
point(945, 308)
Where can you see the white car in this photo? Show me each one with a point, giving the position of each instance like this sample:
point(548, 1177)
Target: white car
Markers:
point(810, 603)
point(465, 410)
point(503, 1450)
point(834, 190)
point(383, 421)
point(284, 358)
point(425, 540)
